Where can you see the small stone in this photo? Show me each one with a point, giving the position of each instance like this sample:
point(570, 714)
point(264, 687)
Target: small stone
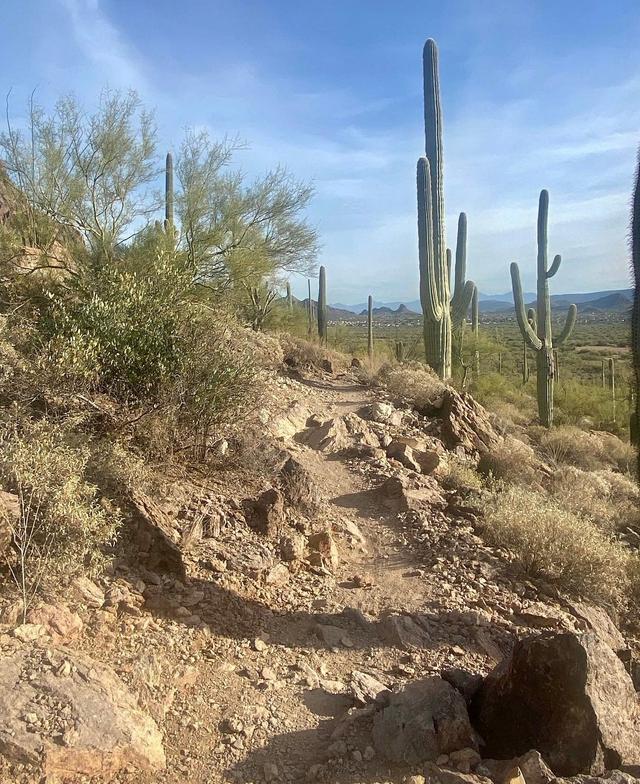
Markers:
point(268, 674)
point(464, 759)
point(27, 632)
point(369, 753)
point(415, 780)
point(357, 755)
point(271, 772)
point(337, 749)
point(259, 644)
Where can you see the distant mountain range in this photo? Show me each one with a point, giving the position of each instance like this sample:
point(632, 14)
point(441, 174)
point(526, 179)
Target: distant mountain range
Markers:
point(617, 300)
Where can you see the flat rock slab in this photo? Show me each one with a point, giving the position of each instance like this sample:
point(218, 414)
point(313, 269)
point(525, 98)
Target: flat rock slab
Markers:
point(69, 715)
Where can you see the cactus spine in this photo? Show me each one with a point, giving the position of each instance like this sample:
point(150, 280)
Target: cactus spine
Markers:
point(635, 319)
point(370, 327)
point(168, 191)
point(322, 306)
point(541, 339)
point(438, 307)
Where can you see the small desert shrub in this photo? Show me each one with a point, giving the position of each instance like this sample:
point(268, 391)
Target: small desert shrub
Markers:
point(512, 417)
point(584, 493)
point(460, 475)
point(494, 391)
point(307, 354)
point(568, 444)
point(511, 461)
point(65, 529)
point(589, 451)
point(555, 544)
point(415, 382)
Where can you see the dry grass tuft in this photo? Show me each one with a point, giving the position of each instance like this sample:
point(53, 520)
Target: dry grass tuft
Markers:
point(413, 382)
point(551, 542)
point(587, 450)
point(460, 475)
point(300, 353)
point(511, 461)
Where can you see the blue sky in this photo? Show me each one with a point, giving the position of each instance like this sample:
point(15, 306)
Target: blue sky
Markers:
point(535, 94)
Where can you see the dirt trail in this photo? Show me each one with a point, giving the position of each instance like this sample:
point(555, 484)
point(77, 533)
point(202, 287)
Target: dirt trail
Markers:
point(279, 687)
point(254, 685)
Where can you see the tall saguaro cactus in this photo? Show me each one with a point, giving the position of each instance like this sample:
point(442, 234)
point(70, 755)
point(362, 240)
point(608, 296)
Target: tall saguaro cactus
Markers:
point(370, 327)
point(541, 339)
point(439, 308)
point(168, 191)
point(635, 319)
point(289, 297)
point(322, 306)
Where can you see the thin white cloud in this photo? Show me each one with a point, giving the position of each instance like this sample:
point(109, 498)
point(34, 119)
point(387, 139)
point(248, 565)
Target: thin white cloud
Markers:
point(102, 45)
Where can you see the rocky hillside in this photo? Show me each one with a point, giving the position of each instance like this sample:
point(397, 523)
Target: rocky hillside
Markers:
point(324, 608)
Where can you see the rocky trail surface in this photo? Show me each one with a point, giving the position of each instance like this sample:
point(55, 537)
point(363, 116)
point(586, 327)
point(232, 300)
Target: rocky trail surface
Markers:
point(293, 627)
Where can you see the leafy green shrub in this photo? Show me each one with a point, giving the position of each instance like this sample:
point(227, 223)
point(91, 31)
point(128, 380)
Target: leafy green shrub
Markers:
point(64, 529)
point(551, 542)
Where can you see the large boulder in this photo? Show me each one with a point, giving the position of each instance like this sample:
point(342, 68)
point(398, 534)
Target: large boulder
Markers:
point(69, 715)
point(566, 695)
point(425, 719)
point(466, 425)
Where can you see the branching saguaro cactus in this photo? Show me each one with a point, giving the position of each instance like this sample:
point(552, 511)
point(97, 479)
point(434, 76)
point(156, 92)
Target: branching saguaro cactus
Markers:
point(541, 339)
point(322, 306)
point(370, 327)
point(635, 319)
point(438, 307)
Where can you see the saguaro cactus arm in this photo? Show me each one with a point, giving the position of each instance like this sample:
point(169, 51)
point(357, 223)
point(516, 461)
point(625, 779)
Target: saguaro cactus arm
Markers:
point(568, 326)
point(526, 329)
point(429, 288)
point(555, 266)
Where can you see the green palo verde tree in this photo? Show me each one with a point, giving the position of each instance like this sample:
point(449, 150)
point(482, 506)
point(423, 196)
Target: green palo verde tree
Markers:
point(439, 308)
point(541, 340)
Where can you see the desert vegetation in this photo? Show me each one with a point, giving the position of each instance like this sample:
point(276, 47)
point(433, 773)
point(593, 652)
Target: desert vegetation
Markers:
point(178, 431)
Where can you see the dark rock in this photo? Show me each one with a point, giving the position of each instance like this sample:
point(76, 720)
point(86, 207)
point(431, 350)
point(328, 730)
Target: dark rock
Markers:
point(299, 489)
point(467, 683)
point(566, 695)
point(465, 423)
point(423, 720)
point(155, 537)
point(266, 512)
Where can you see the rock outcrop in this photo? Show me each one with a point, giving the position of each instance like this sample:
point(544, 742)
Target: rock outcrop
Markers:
point(567, 696)
point(69, 715)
